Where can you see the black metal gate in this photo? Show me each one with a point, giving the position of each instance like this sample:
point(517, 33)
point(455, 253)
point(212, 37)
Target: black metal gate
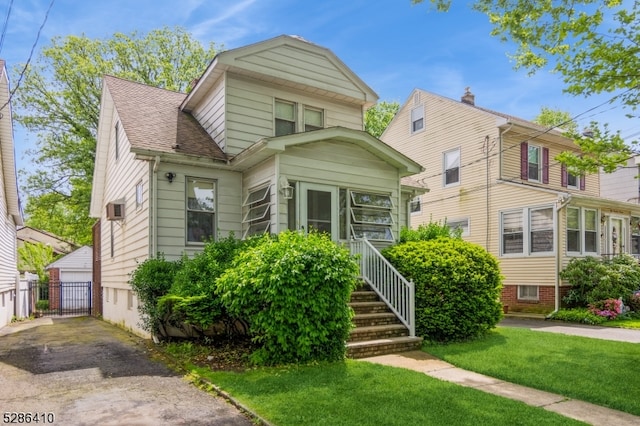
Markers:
point(60, 298)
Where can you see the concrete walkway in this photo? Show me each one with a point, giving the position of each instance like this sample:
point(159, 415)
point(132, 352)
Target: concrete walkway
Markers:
point(578, 410)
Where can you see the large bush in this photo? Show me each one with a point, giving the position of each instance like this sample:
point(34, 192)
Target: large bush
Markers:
point(293, 290)
point(593, 280)
point(151, 280)
point(430, 231)
point(457, 286)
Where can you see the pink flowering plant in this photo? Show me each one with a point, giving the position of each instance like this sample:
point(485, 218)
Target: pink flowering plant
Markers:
point(609, 308)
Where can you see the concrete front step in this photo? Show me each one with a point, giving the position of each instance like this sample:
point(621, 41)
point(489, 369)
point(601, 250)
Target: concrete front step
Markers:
point(368, 307)
point(380, 318)
point(383, 346)
point(377, 332)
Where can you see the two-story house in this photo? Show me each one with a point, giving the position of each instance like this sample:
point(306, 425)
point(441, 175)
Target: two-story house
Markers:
point(10, 214)
point(270, 138)
point(494, 176)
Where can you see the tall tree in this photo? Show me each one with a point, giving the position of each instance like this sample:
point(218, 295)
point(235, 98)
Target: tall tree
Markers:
point(593, 44)
point(550, 117)
point(59, 100)
point(378, 117)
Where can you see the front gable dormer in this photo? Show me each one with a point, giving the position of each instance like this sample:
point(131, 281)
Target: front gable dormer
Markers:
point(284, 84)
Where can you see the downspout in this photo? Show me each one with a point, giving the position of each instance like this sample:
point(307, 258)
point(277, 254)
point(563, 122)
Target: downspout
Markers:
point(561, 203)
point(154, 207)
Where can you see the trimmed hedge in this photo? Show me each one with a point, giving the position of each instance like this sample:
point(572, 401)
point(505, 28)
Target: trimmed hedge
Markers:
point(293, 290)
point(457, 286)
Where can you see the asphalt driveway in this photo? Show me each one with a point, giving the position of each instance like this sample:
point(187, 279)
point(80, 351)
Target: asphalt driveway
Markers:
point(88, 372)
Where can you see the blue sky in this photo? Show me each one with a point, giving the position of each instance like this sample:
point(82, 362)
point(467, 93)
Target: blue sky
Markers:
point(392, 45)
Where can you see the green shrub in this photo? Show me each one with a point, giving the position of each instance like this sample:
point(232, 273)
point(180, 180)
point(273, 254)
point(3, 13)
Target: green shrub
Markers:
point(593, 280)
point(42, 305)
point(199, 311)
point(430, 231)
point(293, 290)
point(457, 286)
point(634, 302)
point(151, 280)
point(578, 315)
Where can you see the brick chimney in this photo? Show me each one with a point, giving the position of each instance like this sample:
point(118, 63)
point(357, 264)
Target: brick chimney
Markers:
point(468, 97)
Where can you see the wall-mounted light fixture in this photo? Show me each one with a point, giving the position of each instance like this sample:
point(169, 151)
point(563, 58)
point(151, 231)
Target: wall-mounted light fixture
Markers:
point(170, 176)
point(285, 188)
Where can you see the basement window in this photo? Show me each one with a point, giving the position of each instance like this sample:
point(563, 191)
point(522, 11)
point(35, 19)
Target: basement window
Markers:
point(528, 292)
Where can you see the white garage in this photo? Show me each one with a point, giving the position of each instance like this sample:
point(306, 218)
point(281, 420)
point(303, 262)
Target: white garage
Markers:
point(70, 281)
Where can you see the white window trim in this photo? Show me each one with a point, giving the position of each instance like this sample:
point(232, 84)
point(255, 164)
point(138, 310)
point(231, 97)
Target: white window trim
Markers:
point(583, 233)
point(265, 218)
point(526, 231)
point(529, 298)
point(415, 200)
point(577, 185)
point(276, 118)
point(306, 108)
point(444, 168)
point(187, 209)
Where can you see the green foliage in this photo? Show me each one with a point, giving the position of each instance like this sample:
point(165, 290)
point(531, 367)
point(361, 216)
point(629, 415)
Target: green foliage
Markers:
point(430, 231)
point(594, 280)
point(199, 311)
point(42, 305)
point(634, 302)
point(294, 290)
point(34, 257)
point(457, 287)
point(151, 280)
point(578, 315)
point(555, 118)
point(378, 117)
point(59, 99)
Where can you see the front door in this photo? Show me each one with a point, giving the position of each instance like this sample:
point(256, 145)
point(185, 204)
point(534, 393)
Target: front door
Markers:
point(617, 236)
point(319, 208)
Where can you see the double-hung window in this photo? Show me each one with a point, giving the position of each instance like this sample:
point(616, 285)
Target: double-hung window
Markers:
point(200, 210)
point(415, 205)
point(285, 118)
point(313, 119)
point(461, 224)
point(417, 119)
point(527, 231)
point(635, 236)
point(582, 230)
point(451, 167)
point(534, 162)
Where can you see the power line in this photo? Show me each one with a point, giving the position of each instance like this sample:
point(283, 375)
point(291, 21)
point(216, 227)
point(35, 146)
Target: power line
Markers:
point(6, 25)
point(26, 65)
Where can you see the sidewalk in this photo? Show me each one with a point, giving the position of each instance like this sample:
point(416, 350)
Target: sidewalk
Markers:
point(578, 410)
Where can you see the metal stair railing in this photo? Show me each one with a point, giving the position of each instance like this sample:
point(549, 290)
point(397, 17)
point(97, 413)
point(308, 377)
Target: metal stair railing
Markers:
point(394, 289)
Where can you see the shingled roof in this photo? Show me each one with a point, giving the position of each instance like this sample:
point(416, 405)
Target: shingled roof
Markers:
point(152, 120)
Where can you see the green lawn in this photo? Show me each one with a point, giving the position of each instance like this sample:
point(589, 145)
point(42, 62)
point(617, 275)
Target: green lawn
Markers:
point(593, 370)
point(623, 323)
point(361, 393)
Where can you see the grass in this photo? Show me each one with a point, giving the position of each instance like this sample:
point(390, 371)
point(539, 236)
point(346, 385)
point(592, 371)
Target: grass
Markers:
point(592, 370)
point(623, 323)
point(361, 393)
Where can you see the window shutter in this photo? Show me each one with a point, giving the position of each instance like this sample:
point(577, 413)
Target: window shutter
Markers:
point(563, 176)
point(545, 165)
point(524, 161)
point(582, 182)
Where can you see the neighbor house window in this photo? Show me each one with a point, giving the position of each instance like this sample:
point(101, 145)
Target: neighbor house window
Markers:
point(414, 205)
point(582, 230)
point(528, 292)
point(313, 119)
point(371, 216)
point(534, 163)
point(417, 119)
point(635, 235)
point(512, 232)
point(285, 118)
point(258, 216)
point(541, 229)
point(139, 192)
point(200, 210)
point(461, 224)
point(452, 167)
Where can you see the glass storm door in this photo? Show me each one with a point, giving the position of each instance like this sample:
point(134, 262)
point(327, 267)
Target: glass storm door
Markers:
point(617, 236)
point(319, 208)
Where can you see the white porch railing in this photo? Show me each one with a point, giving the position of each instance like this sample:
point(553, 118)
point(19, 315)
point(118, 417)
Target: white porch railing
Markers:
point(387, 282)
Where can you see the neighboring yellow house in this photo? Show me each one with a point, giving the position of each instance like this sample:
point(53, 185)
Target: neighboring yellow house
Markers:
point(270, 138)
point(494, 176)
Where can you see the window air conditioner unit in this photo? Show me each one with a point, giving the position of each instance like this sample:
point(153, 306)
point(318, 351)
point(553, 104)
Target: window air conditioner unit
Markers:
point(115, 211)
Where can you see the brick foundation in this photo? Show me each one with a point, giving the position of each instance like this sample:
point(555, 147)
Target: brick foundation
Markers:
point(544, 304)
